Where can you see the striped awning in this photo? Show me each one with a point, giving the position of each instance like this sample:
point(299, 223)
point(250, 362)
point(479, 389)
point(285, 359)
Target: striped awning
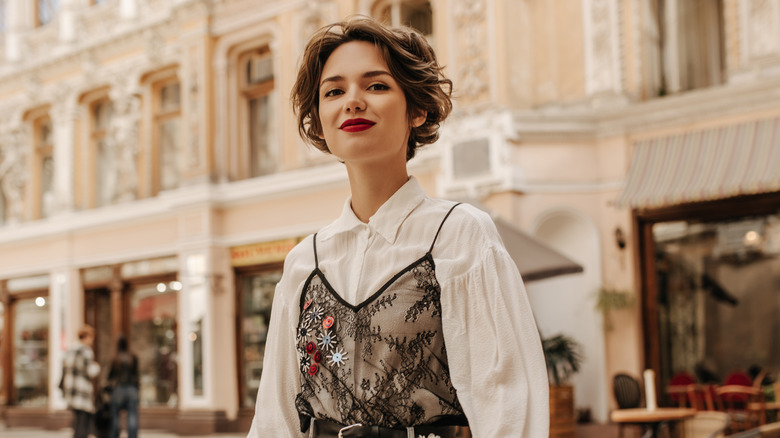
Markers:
point(704, 165)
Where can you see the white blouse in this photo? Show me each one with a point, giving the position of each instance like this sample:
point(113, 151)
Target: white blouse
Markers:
point(493, 347)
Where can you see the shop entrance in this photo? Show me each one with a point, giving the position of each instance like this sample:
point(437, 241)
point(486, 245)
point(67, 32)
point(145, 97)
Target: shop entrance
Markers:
point(255, 293)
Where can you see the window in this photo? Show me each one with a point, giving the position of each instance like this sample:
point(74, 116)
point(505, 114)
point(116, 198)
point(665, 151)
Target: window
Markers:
point(153, 321)
point(105, 178)
point(31, 351)
point(257, 92)
point(46, 11)
point(416, 14)
point(684, 45)
point(256, 293)
point(167, 136)
point(710, 298)
point(44, 166)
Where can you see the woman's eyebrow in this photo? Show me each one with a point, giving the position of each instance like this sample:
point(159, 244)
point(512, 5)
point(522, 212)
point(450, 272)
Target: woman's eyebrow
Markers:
point(368, 74)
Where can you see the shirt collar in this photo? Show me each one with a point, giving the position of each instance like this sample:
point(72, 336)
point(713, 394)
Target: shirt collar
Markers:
point(387, 220)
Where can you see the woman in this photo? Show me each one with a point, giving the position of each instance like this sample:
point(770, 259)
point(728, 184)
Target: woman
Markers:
point(405, 316)
point(123, 378)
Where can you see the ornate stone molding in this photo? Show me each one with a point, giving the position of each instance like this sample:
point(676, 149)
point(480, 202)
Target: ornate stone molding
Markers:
point(603, 70)
point(472, 42)
point(760, 29)
point(13, 171)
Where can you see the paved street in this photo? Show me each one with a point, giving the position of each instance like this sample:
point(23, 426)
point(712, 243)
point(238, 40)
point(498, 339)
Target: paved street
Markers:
point(67, 433)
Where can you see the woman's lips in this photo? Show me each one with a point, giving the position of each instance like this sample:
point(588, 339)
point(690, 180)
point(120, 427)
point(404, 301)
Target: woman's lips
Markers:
point(356, 125)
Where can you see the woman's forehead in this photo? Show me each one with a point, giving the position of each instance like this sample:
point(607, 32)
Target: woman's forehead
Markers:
point(353, 57)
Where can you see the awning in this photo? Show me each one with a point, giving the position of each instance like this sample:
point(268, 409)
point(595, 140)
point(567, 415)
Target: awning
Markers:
point(717, 163)
point(534, 259)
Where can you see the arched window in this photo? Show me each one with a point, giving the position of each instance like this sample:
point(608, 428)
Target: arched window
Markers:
point(417, 14)
point(257, 86)
point(105, 180)
point(44, 157)
point(167, 135)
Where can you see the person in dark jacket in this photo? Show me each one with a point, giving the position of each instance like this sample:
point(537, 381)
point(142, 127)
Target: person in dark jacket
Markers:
point(123, 376)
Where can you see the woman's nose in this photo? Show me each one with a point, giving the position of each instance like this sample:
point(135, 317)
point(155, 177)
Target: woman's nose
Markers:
point(354, 102)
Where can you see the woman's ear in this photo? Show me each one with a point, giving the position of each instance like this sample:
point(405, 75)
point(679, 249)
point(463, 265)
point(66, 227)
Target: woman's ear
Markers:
point(419, 119)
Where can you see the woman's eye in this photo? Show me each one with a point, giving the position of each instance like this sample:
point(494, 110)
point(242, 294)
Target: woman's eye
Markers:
point(378, 87)
point(333, 92)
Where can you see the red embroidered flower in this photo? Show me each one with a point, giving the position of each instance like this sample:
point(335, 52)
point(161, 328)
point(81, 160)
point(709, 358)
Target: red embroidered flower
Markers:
point(328, 322)
point(310, 347)
point(318, 357)
point(313, 369)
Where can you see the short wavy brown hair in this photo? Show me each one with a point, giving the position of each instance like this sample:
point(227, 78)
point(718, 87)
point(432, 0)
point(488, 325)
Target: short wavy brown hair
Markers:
point(412, 63)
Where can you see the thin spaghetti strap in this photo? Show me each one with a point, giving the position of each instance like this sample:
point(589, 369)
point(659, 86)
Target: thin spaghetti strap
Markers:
point(316, 261)
point(441, 225)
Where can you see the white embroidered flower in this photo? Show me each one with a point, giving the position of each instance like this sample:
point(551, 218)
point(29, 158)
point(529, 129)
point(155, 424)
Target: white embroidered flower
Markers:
point(430, 435)
point(327, 340)
point(337, 358)
point(316, 313)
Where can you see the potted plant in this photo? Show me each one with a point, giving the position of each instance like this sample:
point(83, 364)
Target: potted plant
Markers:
point(563, 358)
point(608, 300)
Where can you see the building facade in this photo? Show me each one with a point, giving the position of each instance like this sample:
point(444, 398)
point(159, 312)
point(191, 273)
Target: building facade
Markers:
point(152, 181)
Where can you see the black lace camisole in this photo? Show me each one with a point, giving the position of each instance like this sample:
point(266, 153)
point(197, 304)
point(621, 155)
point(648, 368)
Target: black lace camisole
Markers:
point(382, 362)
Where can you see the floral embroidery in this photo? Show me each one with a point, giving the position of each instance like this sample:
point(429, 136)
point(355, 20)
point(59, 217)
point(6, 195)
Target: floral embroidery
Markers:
point(305, 363)
point(303, 330)
point(399, 367)
point(318, 357)
point(337, 358)
point(311, 347)
point(327, 340)
point(315, 314)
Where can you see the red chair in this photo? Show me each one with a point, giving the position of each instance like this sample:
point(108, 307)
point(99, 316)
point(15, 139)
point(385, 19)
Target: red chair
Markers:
point(678, 388)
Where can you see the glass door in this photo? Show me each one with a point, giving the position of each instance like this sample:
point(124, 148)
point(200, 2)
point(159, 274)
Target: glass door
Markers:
point(153, 334)
point(255, 296)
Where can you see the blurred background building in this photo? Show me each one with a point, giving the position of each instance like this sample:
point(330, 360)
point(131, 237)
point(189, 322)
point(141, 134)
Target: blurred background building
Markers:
point(152, 181)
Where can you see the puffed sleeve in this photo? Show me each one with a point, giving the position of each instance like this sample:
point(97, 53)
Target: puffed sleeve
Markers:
point(275, 413)
point(493, 347)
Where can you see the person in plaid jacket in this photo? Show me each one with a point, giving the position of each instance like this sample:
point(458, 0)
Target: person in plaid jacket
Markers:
point(79, 368)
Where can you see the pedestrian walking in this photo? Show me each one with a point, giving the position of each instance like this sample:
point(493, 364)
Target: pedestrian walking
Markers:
point(123, 379)
point(406, 316)
point(79, 368)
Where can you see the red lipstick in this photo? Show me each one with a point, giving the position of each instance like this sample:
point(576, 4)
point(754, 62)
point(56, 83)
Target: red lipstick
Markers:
point(356, 125)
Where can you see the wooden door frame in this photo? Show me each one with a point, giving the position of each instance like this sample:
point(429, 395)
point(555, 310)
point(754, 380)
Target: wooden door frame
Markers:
point(709, 211)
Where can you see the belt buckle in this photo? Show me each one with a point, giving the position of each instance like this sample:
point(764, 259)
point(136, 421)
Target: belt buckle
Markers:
point(346, 428)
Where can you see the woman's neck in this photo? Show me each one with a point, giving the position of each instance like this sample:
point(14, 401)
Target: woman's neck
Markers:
point(372, 187)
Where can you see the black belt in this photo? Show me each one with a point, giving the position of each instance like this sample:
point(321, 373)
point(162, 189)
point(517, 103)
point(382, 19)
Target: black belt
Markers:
point(329, 429)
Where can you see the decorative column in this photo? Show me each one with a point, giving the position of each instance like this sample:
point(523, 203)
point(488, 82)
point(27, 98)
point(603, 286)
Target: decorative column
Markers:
point(196, 98)
point(601, 25)
point(759, 32)
point(67, 20)
point(64, 114)
point(128, 9)
point(124, 138)
point(471, 51)
point(15, 26)
point(13, 172)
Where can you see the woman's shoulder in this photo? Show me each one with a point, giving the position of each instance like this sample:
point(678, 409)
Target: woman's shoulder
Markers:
point(465, 221)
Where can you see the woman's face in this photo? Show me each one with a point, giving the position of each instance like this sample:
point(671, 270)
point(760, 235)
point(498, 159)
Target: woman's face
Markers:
point(362, 108)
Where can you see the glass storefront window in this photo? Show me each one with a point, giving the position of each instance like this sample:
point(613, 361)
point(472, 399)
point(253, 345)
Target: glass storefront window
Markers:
point(153, 338)
point(718, 304)
point(256, 295)
point(31, 352)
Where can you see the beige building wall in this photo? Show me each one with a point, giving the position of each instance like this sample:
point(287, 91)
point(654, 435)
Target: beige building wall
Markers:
point(550, 97)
